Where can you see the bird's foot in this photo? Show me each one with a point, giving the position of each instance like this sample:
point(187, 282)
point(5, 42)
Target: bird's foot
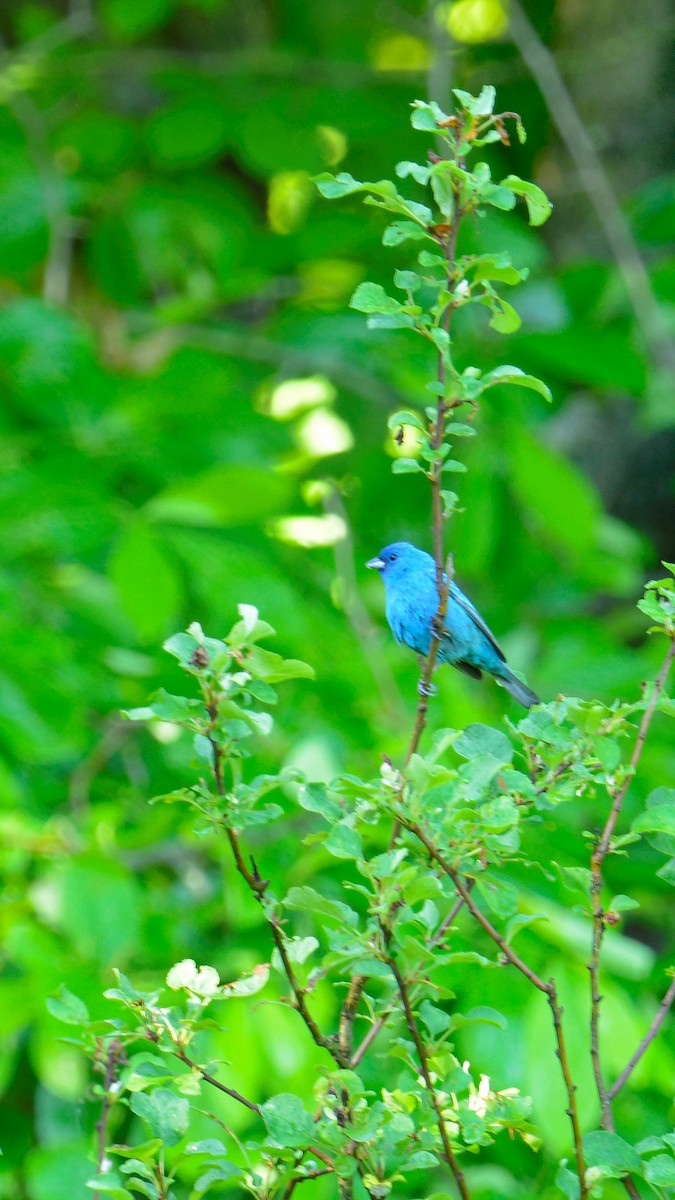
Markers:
point(426, 689)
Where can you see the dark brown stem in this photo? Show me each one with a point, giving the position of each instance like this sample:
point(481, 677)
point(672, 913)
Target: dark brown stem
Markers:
point(465, 893)
point(597, 882)
point(549, 990)
point(303, 1178)
point(180, 1054)
point(572, 1111)
point(426, 1074)
point(646, 1041)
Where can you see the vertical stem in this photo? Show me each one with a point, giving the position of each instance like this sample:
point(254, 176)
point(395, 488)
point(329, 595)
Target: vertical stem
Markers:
point(426, 1075)
point(597, 882)
point(572, 1111)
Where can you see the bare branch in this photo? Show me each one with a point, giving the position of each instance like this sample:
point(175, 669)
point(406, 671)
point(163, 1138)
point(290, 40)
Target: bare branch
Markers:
point(651, 1033)
point(597, 882)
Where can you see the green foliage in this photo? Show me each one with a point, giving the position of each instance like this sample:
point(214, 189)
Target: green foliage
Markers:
point(191, 420)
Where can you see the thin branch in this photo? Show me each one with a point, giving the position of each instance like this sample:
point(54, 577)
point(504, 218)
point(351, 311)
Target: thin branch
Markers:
point(572, 1111)
point(475, 911)
point(646, 1041)
point(597, 882)
point(303, 1179)
point(180, 1054)
point(548, 988)
point(377, 1027)
point(426, 1073)
point(258, 887)
point(594, 179)
point(643, 729)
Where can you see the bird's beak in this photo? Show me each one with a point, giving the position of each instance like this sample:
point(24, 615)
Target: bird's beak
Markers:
point(376, 564)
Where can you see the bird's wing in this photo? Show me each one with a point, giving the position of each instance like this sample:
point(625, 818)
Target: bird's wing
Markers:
point(463, 601)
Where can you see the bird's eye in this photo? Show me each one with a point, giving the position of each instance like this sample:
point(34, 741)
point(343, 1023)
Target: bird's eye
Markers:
point(392, 557)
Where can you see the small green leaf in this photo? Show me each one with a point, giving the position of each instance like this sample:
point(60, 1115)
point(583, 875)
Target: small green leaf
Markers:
point(621, 904)
point(402, 231)
point(482, 739)
point(436, 1020)
point(287, 1122)
point(344, 842)
point(539, 206)
point(306, 899)
point(406, 417)
point(166, 1114)
point(518, 378)
point(426, 116)
point(660, 1170)
point(405, 466)
point(372, 298)
point(504, 319)
point(612, 1154)
point(68, 1008)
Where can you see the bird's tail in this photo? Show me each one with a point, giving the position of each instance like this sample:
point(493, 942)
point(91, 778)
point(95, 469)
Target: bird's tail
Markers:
point(519, 690)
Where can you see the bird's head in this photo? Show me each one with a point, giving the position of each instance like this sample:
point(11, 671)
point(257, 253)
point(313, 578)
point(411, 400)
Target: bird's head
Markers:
point(397, 560)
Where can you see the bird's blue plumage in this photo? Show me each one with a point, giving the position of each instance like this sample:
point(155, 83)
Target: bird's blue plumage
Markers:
point(409, 578)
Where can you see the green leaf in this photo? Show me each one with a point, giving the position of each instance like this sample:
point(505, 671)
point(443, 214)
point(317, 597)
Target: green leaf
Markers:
point(518, 378)
point(298, 950)
point(314, 798)
point(436, 1020)
point(272, 668)
point(660, 1170)
point(500, 895)
point(480, 1015)
point(222, 1173)
point(306, 899)
point(621, 904)
point(402, 231)
point(504, 318)
point(372, 298)
point(406, 466)
point(406, 417)
point(335, 186)
point(288, 1124)
point(68, 1008)
point(344, 842)
point(521, 921)
point(539, 206)
point(166, 1114)
point(479, 739)
point(660, 819)
point(615, 1156)
point(426, 116)
point(414, 170)
point(110, 1184)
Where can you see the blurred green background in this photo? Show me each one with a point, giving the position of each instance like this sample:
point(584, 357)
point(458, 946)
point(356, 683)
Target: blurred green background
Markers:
point(192, 417)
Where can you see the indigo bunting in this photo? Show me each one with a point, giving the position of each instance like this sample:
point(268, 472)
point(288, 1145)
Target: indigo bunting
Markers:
point(409, 578)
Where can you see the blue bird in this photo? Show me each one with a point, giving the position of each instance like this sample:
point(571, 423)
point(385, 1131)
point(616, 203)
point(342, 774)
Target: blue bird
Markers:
point(409, 578)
